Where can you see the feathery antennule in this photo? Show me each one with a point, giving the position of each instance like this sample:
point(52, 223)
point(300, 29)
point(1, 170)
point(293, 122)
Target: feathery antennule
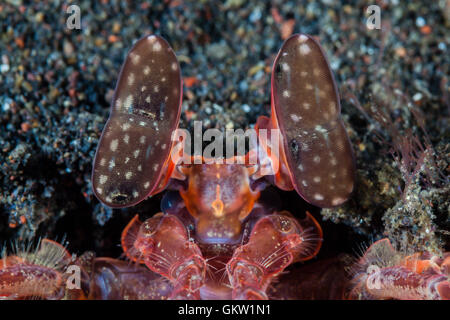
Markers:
point(380, 254)
point(383, 273)
point(44, 252)
point(34, 271)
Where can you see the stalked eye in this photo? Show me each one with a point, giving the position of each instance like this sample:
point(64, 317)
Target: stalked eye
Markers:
point(136, 142)
point(307, 110)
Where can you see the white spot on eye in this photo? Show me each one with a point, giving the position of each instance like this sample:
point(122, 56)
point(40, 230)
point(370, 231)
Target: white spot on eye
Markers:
point(142, 123)
point(135, 58)
point(126, 138)
point(131, 79)
point(285, 67)
point(156, 88)
point(163, 146)
point(155, 124)
point(136, 152)
point(300, 167)
point(146, 185)
point(155, 167)
point(103, 162)
point(163, 79)
point(151, 38)
point(139, 167)
point(114, 144)
point(332, 106)
point(295, 117)
point(157, 46)
point(337, 201)
point(174, 66)
point(127, 159)
point(142, 139)
point(126, 126)
point(112, 164)
point(131, 119)
point(147, 99)
point(333, 175)
point(316, 179)
point(135, 194)
point(316, 159)
point(333, 161)
point(146, 70)
point(306, 105)
point(305, 147)
point(118, 104)
point(318, 196)
point(128, 175)
point(286, 94)
point(103, 179)
point(303, 73)
point(99, 190)
point(304, 183)
point(304, 49)
point(128, 102)
point(143, 88)
point(322, 130)
point(302, 38)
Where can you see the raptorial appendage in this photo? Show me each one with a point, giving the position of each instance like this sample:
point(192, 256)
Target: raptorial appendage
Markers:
point(275, 242)
point(163, 245)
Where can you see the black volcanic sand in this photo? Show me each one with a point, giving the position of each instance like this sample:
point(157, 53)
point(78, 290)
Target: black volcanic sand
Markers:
point(56, 86)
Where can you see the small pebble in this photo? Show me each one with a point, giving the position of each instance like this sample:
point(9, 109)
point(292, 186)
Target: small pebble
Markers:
point(417, 96)
point(246, 108)
point(420, 22)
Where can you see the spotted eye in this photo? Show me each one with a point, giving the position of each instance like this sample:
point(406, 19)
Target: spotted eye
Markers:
point(136, 141)
point(307, 110)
